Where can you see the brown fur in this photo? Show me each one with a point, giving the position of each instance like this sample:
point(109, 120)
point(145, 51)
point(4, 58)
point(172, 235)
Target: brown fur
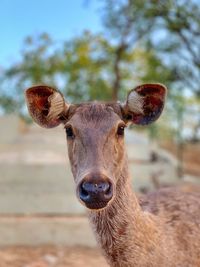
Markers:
point(161, 229)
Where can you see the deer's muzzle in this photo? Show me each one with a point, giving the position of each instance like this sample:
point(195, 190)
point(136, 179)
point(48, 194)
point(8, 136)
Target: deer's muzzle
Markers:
point(95, 191)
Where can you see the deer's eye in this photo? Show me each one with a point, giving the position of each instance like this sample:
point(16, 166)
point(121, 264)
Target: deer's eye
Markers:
point(69, 132)
point(120, 130)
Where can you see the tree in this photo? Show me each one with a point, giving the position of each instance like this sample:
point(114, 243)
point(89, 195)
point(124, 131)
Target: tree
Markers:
point(82, 68)
point(180, 44)
point(124, 25)
point(170, 28)
point(85, 67)
point(36, 66)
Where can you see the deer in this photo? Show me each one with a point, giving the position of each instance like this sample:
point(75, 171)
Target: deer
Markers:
point(159, 229)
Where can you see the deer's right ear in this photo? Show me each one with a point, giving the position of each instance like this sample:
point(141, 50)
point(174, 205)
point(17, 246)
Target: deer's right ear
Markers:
point(46, 105)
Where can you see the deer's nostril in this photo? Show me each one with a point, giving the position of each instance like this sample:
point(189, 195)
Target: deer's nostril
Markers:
point(109, 191)
point(83, 192)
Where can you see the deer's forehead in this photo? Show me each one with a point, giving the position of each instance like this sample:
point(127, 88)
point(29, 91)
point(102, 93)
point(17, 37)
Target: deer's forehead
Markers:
point(95, 115)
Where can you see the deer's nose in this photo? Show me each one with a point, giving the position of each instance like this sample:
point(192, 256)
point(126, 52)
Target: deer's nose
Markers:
point(96, 192)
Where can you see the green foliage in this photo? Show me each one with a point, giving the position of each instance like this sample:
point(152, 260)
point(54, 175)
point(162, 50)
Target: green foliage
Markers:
point(82, 68)
point(85, 68)
point(34, 66)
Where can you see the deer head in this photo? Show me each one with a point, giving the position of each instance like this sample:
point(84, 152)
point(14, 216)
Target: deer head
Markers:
point(95, 134)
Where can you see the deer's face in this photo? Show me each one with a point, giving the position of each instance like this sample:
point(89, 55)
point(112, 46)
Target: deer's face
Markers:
point(95, 135)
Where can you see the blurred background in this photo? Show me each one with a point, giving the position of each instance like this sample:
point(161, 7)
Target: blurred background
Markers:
point(90, 49)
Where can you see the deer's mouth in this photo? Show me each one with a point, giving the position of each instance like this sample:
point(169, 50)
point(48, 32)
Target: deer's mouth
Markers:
point(97, 205)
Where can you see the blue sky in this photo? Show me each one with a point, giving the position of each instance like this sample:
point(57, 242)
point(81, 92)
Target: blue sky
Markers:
point(62, 19)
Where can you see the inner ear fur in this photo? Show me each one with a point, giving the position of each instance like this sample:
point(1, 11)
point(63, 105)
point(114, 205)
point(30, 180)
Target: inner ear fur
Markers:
point(145, 103)
point(46, 105)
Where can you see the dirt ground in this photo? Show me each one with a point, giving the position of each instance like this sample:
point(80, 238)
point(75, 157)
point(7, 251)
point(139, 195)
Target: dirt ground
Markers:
point(51, 256)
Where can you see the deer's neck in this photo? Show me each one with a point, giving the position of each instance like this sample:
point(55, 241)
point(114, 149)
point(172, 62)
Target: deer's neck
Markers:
point(124, 232)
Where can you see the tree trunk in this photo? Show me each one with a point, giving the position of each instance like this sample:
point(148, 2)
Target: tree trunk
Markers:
point(117, 80)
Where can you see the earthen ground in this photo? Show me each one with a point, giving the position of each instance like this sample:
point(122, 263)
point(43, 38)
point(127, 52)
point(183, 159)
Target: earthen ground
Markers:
point(51, 256)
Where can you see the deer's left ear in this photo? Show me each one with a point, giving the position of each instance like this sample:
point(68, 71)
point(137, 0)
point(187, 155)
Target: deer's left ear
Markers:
point(145, 103)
